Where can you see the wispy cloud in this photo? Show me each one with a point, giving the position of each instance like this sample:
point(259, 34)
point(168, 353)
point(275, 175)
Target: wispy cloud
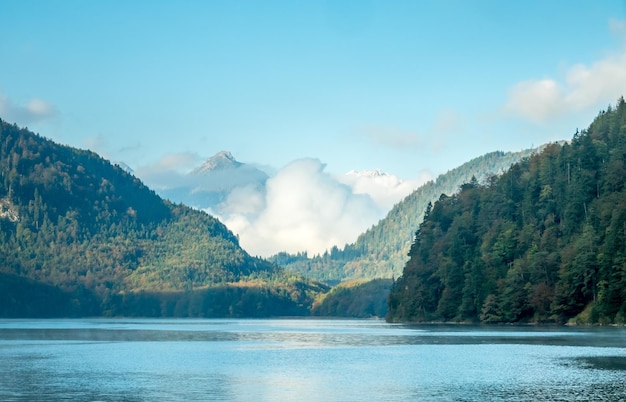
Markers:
point(581, 87)
point(536, 100)
point(168, 171)
point(393, 137)
point(97, 143)
point(33, 111)
point(432, 138)
point(447, 123)
point(618, 27)
point(181, 161)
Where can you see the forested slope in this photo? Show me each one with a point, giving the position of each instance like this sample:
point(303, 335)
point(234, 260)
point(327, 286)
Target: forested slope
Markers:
point(76, 227)
point(355, 300)
point(544, 242)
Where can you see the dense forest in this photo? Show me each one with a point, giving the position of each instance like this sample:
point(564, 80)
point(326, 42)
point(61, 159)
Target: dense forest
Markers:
point(544, 242)
point(381, 252)
point(356, 299)
point(80, 236)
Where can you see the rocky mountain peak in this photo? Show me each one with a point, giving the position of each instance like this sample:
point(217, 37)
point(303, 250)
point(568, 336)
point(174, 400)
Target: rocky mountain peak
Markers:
point(220, 161)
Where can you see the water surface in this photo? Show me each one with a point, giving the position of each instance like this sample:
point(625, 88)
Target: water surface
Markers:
point(308, 360)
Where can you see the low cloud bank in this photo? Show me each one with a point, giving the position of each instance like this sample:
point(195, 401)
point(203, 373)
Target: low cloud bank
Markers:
point(304, 208)
point(299, 208)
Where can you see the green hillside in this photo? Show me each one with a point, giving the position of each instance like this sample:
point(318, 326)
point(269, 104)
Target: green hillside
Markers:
point(544, 242)
point(355, 300)
point(381, 252)
point(96, 239)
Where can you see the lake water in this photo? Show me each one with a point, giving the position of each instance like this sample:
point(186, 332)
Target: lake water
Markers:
point(306, 360)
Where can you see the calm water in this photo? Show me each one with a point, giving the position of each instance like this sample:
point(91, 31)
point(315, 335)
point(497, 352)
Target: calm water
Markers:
point(316, 360)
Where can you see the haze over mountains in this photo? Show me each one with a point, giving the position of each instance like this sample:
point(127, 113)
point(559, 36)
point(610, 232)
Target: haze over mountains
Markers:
point(299, 207)
point(208, 185)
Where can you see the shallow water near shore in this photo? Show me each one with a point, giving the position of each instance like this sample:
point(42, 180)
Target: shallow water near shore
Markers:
point(308, 360)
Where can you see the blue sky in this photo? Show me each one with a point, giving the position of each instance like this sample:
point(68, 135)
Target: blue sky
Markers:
point(409, 87)
point(398, 85)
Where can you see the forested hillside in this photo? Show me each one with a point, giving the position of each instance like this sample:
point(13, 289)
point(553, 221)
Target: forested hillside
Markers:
point(95, 239)
point(381, 252)
point(544, 242)
point(355, 300)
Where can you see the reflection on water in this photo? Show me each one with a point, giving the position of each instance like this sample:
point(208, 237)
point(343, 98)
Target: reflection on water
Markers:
point(605, 362)
point(325, 360)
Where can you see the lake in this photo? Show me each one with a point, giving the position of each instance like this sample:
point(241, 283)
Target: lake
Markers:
point(306, 360)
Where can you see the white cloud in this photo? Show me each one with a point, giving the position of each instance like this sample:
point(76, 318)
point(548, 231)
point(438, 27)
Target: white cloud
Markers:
point(39, 108)
point(247, 200)
point(536, 100)
point(34, 111)
point(582, 87)
point(601, 83)
point(384, 189)
point(301, 208)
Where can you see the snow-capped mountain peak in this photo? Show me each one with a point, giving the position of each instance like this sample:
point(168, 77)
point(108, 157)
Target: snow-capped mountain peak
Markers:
point(367, 173)
point(220, 161)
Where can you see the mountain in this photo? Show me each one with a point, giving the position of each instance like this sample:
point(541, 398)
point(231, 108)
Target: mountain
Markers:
point(381, 252)
point(220, 161)
point(544, 242)
point(207, 186)
point(80, 236)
